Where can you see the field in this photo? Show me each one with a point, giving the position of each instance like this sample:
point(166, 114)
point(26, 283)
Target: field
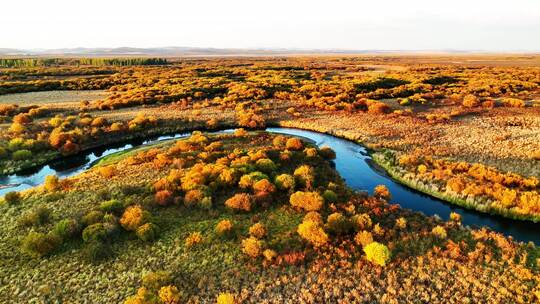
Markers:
point(253, 217)
point(49, 97)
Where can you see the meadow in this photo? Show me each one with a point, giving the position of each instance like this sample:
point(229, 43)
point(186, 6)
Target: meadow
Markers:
point(255, 217)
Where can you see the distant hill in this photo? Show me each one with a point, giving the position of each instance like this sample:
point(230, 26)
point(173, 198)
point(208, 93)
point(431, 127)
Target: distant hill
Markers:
point(178, 51)
point(193, 51)
point(8, 52)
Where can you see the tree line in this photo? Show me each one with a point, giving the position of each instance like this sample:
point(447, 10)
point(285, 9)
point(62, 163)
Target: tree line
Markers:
point(40, 62)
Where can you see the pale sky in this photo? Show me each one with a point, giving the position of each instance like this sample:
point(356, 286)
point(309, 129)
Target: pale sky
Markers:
point(493, 25)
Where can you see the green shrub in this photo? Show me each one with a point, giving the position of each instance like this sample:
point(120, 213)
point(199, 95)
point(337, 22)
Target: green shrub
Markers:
point(12, 197)
point(279, 141)
point(439, 232)
point(131, 189)
point(96, 251)
point(330, 196)
point(36, 217)
point(404, 101)
point(15, 144)
point(266, 165)
point(285, 182)
point(103, 194)
point(94, 232)
point(36, 145)
point(286, 155)
point(66, 228)
point(110, 218)
point(205, 203)
point(113, 205)
point(327, 153)
point(305, 176)
point(3, 153)
point(244, 168)
point(147, 232)
point(338, 224)
point(198, 197)
point(38, 244)
point(92, 217)
point(53, 197)
point(111, 228)
point(247, 180)
point(21, 155)
point(30, 144)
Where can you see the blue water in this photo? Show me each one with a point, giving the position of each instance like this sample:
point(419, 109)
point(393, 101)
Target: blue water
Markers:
point(356, 167)
point(69, 166)
point(352, 162)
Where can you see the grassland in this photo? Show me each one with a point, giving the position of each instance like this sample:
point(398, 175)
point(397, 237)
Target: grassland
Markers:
point(459, 191)
point(52, 97)
point(437, 115)
point(201, 260)
point(446, 107)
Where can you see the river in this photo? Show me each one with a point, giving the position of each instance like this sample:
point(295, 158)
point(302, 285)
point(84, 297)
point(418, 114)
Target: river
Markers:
point(352, 162)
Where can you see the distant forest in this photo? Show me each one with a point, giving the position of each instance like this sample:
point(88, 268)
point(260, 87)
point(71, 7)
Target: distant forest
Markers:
point(39, 62)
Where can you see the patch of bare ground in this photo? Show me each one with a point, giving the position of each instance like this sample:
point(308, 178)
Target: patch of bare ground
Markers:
point(53, 99)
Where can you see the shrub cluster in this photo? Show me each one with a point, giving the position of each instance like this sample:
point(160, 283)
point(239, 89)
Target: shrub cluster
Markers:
point(308, 201)
point(377, 253)
point(313, 232)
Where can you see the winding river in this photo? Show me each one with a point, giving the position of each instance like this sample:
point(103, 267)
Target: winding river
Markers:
point(352, 162)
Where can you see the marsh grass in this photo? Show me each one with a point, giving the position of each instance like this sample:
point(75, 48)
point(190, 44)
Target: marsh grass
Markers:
point(473, 204)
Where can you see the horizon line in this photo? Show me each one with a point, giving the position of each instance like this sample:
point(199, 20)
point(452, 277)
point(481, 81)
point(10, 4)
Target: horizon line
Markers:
point(68, 50)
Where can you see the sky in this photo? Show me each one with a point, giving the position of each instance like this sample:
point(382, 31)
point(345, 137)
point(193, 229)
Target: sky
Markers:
point(489, 25)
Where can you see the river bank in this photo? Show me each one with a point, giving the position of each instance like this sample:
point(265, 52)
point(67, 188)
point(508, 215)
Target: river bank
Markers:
point(432, 189)
point(353, 163)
